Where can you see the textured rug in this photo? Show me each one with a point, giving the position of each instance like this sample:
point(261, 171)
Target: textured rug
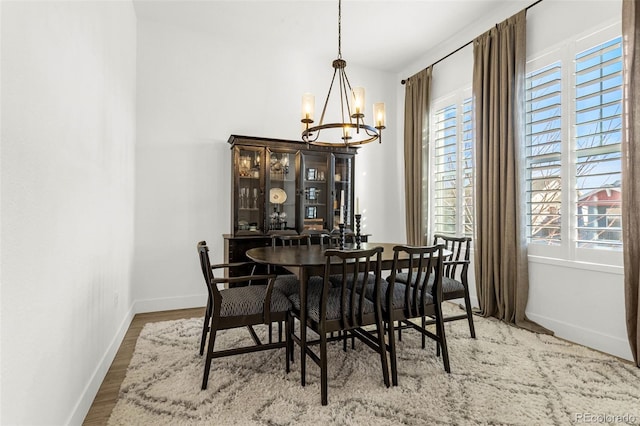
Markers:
point(505, 376)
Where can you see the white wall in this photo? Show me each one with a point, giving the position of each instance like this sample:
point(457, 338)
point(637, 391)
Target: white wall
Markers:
point(68, 129)
point(580, 302)
point(194, 91)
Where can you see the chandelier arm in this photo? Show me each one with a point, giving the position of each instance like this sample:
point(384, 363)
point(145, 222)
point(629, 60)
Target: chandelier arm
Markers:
point(346, 97)
point(372, 135)
point(326, 101)
point(310, 132)
point(342, 89)
point(359, 118)
point(369, 131)
point(348, 85)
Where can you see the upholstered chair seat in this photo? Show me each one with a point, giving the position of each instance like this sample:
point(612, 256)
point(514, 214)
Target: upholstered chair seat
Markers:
point(336, 279)
point(249, 300)
point(449, 285)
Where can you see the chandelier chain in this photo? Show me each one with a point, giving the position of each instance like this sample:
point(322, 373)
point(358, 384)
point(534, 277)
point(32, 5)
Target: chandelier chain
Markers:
point(340, 29)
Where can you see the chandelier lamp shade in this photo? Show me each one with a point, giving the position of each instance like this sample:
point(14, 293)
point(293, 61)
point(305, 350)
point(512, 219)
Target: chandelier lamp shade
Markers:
point(351, 129)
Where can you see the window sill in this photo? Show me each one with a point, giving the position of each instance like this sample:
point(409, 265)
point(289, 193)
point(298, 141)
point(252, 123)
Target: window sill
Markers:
point(575, 264)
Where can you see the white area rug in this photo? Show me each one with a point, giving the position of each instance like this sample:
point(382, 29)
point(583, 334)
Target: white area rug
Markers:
point(505, 376)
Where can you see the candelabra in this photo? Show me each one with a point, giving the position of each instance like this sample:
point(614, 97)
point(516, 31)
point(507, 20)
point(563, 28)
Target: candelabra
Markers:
point(358, 237)
point(341, 242)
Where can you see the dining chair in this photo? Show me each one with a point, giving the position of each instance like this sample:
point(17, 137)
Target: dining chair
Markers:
point(333, 239)
point(287, 282)
point(291, 240)
point(402, 302)
point(344, 309)
point(207, 315)
point(455, 283)
point(237, 307)
point(321, 237)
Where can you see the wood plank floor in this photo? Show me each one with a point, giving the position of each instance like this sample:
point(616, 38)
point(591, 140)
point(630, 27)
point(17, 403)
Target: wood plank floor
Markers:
point(107, 395)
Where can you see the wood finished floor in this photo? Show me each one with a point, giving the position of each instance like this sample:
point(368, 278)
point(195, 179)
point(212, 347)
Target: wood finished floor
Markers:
point(107, 395)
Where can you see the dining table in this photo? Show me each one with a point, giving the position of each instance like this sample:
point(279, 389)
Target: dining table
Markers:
point(309, 260)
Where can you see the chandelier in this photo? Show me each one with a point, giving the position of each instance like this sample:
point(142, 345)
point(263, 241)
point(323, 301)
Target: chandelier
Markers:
point(352, 129)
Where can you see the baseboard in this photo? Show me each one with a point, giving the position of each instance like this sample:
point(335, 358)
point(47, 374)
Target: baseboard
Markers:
point(170, 303)
point(615, 346)
point(612, 345)
point(90, 391)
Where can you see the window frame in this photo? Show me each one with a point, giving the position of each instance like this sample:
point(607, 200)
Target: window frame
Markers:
point(566, 53)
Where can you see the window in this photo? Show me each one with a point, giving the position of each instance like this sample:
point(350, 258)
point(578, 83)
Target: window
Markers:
point(452, 166)
point(445, 170)
point(543, 147)
point(598, 133)
point(573, 134)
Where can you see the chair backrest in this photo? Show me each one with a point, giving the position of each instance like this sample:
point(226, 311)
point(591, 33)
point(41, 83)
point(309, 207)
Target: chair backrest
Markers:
point(349, 236)
point(207, 272)
point(424, 264)
point(458, 263)
point(290, 240)
point(354, 264)
point(322, 237)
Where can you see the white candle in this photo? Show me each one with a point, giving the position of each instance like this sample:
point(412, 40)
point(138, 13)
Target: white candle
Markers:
point(342, 198)
point(341, 214)
point(357, 205)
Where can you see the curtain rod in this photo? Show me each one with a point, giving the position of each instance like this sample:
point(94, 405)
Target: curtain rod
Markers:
point(466, 44)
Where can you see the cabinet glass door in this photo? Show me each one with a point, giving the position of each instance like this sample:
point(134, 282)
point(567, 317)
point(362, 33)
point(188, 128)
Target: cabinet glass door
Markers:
point(281, 198)
point(249, 202)
point(315, 192)
point(343, 175)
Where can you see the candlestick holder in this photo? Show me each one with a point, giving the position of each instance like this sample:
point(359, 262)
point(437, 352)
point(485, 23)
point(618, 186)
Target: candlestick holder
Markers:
point(358, 237)
point(341, 242)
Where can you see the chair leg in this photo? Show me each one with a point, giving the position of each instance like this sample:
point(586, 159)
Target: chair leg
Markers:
point(392, 350)
point(324, 388)
point(383, 353)
point(207, 363)
point(303, 355)
point(442, 338)
point(424, 338)
point(270, 332)
point(467, 302)
point(287, 345)
point(399, 331)
point(279, 331)
point(292, 330)
point(205, 328)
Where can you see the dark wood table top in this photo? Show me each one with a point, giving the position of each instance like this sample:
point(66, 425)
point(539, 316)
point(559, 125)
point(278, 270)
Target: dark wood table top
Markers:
point(307, 256)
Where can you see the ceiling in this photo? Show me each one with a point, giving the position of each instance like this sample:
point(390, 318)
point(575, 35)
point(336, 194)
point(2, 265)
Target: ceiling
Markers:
point(385, 35)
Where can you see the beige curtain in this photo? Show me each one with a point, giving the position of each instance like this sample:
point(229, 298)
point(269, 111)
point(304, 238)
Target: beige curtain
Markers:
point(416, 130)
point(501, 264)
point(631, 171)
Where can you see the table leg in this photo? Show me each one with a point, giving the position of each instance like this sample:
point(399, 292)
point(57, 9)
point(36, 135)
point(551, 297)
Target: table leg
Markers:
point(303, 325)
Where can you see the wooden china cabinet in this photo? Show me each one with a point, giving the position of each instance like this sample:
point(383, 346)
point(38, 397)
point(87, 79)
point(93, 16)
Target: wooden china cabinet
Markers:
point(285, 186)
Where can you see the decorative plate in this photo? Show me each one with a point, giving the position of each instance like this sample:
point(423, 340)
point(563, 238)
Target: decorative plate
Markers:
point(277, 196)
